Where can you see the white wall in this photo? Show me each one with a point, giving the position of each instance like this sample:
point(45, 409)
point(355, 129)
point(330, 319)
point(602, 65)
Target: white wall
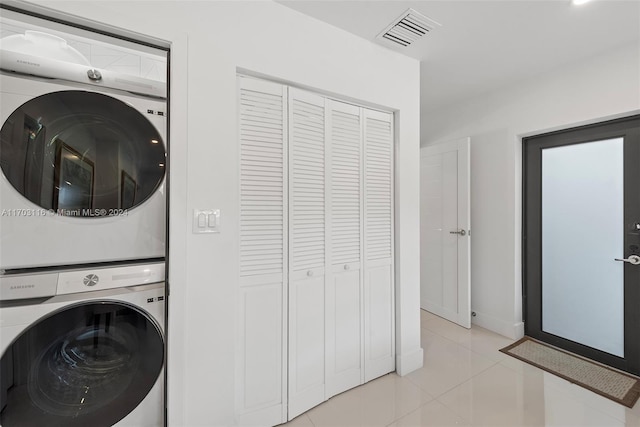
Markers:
point(603, 87)
point(211, 39)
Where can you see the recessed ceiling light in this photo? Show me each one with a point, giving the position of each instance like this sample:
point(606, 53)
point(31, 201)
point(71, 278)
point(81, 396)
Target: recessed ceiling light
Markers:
point(579, 2)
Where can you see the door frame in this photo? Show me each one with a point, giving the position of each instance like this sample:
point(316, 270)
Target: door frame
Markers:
point(629, 129)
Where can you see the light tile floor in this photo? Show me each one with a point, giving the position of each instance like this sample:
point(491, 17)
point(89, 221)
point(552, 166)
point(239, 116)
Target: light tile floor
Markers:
point(466, 381)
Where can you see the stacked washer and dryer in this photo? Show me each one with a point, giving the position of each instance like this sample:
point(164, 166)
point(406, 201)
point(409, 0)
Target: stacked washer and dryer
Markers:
point(82, 239)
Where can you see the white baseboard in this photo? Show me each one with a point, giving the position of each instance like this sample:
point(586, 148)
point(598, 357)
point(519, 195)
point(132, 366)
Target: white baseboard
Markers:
point(407, 363)
point(512, 330)
point(519, 330)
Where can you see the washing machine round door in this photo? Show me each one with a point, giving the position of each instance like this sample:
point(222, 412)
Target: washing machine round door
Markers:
point(82, 154)
point(89, 364)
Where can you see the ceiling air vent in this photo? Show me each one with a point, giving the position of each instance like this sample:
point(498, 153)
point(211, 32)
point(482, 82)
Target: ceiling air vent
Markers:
point(408, 28)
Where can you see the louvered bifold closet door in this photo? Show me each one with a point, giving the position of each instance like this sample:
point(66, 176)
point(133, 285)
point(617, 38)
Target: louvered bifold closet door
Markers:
point(379, 335)
point(261, 368)
point(344, 316)
point(307, 236)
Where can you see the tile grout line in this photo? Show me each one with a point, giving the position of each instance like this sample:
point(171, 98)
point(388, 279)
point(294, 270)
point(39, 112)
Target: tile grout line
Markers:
point(485, 356)
point(470, 422)
point(441, 336)
point(466, 381)
point(310, 420)
point(460, 343)
point(437, 397)
point(494, 363)
point(429, 395)
point(464, 346)
point(433, 399)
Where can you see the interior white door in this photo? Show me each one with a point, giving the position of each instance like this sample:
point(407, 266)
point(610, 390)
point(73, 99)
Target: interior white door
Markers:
point(445, 245)
point(307, 194)
point(344, 228)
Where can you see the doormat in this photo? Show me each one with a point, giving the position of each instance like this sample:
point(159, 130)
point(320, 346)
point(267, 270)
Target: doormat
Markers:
point(610, 383)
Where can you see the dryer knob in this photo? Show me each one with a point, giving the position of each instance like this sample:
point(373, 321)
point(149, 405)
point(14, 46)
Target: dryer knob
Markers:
point(94, 75)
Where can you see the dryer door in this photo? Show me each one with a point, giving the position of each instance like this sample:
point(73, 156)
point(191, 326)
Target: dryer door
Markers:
point(81, 154)
point(89, 364)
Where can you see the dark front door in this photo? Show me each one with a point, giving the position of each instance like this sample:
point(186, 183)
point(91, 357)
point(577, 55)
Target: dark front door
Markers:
point(581, 240)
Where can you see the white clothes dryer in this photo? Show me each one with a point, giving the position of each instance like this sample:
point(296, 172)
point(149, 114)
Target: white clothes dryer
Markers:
point(83, 348)
point(83, 165)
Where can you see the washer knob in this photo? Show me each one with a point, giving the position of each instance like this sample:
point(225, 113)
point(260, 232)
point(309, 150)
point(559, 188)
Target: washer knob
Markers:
point(91, 280)
point(94, 75)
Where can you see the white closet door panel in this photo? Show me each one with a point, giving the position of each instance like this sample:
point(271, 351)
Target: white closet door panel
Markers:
point(307, 235)
point(379, 185)
point(261, 344)
point(344, 316)
point(344, 332)
point(379, 325)
point(306, 344)
point(345, 142)
point(262, 125)
point(260, 319)
point(307, 180)
point(379, 335)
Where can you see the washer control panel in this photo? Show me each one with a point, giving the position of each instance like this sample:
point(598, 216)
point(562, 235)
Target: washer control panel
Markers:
point(28, 286)
point(49, 284)
point(70, 282)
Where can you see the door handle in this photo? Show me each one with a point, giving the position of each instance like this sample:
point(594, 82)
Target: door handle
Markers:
point(633, 259)
point(461, 232)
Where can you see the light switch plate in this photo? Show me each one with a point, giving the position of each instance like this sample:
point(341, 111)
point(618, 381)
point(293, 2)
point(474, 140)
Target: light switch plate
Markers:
point(206, 221)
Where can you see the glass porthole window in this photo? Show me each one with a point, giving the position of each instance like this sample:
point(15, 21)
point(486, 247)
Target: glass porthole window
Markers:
point(88, 365)
point(81, 153)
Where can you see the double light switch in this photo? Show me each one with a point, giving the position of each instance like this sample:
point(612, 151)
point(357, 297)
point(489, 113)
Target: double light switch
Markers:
point(206, 221)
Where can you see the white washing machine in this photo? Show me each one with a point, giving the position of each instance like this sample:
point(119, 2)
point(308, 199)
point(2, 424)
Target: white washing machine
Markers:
point(83, 159)
point(83, 348)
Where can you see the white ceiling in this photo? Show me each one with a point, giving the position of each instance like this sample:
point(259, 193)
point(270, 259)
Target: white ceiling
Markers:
point(484, 45)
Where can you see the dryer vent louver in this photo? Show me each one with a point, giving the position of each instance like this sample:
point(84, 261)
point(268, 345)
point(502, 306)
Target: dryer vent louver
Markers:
point(408, 28)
